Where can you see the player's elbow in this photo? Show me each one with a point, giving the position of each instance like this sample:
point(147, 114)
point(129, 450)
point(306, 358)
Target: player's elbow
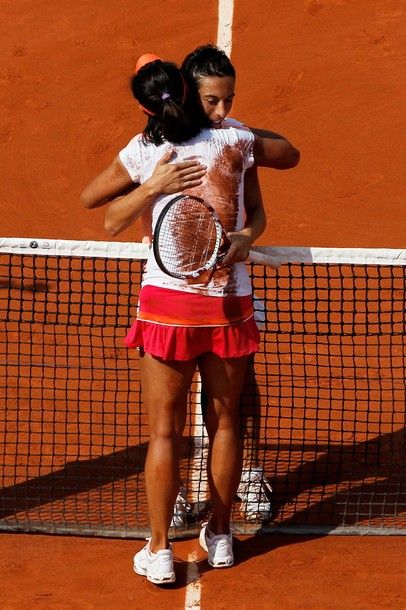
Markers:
point(112, 231)
point(293, 158)
point(264, 223)
point(289, 159)
point(86, 199)
point(111, 227)
point(276, 154)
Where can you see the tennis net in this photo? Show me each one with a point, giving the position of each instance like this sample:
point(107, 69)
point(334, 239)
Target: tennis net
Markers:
point(323, 403)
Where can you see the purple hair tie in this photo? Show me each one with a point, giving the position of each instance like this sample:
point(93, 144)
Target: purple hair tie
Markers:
point(165, 96)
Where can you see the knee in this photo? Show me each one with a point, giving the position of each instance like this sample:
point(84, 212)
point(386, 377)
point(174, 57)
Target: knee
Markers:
point(229, 425)
point(163, 435)
point(166, 431)
point(166, 420)
point(225, 419)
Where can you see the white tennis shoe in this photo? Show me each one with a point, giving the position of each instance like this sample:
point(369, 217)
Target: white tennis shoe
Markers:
point(255, 494)
point(181, 510)
point(219, 547)
point(157, 567)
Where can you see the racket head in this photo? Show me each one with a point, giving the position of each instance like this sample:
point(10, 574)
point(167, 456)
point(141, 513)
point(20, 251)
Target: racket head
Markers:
point(187, 237)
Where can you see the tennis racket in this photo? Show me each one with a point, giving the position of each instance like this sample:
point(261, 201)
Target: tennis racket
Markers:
point(190, 239)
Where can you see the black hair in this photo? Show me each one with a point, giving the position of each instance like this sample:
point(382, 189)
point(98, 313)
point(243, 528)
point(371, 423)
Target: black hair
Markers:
point(206, 60)
point(161, 89)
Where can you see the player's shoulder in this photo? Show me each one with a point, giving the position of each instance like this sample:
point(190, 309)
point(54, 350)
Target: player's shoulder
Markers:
point(237, 131)
point(140, 157)
point(136, 141)
point(145, 151)
point(230, 123)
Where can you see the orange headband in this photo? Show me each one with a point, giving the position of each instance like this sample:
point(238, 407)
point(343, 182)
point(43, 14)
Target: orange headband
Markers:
point(145, 59)
point(142, 61)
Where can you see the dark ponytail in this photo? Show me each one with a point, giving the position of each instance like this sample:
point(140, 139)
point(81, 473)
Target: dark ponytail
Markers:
point(161, 91)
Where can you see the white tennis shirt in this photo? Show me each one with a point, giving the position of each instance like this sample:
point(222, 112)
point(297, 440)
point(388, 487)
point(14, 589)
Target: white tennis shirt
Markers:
point(227, 153)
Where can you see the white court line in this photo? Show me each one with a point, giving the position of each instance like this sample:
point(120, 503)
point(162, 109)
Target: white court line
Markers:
point(193, 585)
point(225, 25)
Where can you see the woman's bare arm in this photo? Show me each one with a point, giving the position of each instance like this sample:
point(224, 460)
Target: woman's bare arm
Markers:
point(255, 220)
point(273, 150)
point(124, 211)
point(109, 184)
point(168, 178)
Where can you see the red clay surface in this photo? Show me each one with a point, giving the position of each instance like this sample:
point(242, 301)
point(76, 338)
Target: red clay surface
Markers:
point(272, 573)
point(325, 73)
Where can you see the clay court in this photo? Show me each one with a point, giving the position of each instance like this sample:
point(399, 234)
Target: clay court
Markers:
point(324, 73)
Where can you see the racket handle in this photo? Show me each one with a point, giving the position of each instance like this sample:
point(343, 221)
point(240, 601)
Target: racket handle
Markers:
point(264, 259)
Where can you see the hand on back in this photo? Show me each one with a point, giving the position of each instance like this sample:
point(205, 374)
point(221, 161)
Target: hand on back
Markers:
point(169, 178)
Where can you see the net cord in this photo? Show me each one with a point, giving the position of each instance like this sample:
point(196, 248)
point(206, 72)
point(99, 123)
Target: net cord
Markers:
point(268, 255)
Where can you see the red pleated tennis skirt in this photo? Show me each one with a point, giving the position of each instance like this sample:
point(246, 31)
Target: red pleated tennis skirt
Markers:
point(175, 340)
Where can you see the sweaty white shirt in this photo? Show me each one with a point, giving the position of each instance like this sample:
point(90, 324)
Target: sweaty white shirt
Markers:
point(227, 153)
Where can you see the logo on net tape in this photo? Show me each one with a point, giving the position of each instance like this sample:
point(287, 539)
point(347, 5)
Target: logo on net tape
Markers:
point(34, 244)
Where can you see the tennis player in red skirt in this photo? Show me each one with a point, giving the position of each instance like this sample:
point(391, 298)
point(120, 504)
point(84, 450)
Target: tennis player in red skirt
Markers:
point(182, 324)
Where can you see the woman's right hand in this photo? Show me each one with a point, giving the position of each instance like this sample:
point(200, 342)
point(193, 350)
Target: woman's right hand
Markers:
point(169, 178)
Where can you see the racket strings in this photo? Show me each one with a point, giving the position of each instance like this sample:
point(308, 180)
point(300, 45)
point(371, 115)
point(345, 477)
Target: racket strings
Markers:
point(188, 237)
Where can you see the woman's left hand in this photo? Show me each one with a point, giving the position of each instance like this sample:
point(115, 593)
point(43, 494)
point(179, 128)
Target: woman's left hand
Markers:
point(239, 247)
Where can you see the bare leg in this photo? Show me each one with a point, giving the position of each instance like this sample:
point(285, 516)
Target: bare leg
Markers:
point(164, 388)
point(223, 381)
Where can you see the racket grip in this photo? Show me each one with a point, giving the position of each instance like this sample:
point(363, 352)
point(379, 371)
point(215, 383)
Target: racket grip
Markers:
point(264, 259)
